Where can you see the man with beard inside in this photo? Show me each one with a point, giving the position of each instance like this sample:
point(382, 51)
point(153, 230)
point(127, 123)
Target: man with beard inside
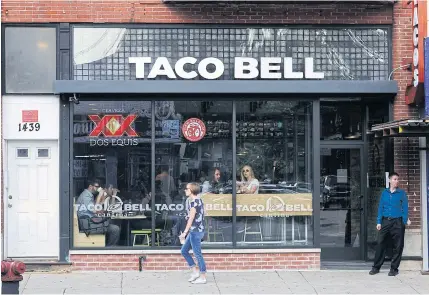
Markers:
point(91, 196)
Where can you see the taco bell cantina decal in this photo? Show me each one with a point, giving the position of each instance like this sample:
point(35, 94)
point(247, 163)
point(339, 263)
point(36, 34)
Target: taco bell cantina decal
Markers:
point(194, 129)
point(244, 68)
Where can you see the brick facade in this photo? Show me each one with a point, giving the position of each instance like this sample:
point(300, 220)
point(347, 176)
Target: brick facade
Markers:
point(159, 262)
point(406, 155)
point(154, 11)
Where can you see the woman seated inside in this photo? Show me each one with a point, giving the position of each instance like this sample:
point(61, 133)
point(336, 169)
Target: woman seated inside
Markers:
point(214, 185)
point(249, 184)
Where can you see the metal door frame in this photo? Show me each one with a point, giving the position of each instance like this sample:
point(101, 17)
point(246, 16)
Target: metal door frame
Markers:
point(362, 240)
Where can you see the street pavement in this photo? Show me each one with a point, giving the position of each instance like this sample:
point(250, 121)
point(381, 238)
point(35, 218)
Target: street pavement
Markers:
point(256, 282)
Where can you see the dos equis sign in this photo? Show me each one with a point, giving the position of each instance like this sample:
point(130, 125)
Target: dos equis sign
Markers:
point(113, 130)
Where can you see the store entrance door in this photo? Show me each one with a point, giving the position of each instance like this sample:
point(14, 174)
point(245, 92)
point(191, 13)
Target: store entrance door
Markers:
point(341, 203)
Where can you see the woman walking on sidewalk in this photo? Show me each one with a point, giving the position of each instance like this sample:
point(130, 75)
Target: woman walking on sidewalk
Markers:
point(194, 234)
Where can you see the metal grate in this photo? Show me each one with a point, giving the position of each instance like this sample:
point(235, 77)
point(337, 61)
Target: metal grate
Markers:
point(342, 54)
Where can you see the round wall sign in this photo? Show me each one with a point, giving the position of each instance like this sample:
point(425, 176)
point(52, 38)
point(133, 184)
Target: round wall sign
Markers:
point(194, 129)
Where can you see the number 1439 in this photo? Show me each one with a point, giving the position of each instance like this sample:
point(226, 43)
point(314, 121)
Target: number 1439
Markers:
point(28, 127)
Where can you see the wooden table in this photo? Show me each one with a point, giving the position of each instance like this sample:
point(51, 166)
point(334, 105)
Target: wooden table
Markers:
point(128, 218)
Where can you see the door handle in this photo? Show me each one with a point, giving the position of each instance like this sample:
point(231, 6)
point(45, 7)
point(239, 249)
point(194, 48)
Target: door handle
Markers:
point(9, 205)
point(361, 207)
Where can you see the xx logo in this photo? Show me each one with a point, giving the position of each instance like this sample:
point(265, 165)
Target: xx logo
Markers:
point(113, 125)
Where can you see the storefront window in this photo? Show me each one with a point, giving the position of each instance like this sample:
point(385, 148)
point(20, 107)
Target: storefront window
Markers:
point(111, 173)
point(274, 176)
point(341, 120)
point(194, 144)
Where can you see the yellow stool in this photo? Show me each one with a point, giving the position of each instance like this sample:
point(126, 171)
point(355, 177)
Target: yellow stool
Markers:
point(212, 230)
point(146, 233)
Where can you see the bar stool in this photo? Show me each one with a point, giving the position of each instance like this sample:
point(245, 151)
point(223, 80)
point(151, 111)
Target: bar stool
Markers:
point(215, 232)
point(146, 234)
point(253, 232)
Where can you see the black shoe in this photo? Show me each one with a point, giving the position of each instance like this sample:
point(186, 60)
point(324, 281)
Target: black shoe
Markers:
point(374, 271)
point(393, 272)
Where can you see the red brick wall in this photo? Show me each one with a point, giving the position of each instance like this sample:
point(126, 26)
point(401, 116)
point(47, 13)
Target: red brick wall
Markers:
point(259, 261)
point(154, 11)
point(406, 155)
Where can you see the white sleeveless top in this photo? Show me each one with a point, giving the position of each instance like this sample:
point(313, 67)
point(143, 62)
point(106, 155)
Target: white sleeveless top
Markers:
point(253, 182)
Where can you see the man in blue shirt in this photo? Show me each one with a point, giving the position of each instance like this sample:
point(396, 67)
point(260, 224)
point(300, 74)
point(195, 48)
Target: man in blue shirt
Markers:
point(391, 220)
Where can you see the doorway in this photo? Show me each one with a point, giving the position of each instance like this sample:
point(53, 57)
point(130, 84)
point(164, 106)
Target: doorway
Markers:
point(32, 198)
point(341, 203)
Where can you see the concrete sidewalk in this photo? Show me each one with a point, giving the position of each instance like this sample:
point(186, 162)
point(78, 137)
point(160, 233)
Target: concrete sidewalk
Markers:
point(273, 282)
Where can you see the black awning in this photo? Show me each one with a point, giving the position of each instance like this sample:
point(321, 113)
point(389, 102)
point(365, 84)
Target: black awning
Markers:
point(293, 87)
point(402, 128)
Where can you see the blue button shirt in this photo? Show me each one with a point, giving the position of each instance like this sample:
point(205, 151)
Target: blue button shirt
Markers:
point(393, 205)
point(85, 204)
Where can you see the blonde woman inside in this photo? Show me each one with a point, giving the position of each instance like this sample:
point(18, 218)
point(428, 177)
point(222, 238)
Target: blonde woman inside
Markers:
point(249, 184)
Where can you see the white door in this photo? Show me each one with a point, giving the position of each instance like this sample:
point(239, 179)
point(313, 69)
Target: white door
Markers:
point(32, 198)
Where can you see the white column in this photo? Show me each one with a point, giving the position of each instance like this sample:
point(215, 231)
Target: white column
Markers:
point(424, 203)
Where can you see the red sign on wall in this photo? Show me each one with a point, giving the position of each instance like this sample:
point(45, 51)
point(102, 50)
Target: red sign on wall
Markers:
point(415, 90)
point(29, 116)
point(194, 129)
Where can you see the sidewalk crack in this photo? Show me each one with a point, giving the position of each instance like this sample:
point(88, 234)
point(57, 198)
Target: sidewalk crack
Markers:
point(26, 283)
point(396, 277)
point(308, 282)
point(217, 286)
point(122, 282)
point(283, 281)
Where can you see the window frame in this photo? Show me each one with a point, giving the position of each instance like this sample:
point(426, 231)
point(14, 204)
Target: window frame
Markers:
point(315, 147)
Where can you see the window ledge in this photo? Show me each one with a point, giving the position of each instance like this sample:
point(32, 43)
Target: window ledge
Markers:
point(208, 251)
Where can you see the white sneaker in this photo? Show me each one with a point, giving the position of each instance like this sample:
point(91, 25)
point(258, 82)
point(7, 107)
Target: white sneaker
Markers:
point(199, 281)
point(193, 277)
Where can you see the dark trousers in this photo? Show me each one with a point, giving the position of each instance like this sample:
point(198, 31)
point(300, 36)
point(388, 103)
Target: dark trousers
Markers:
point(395, 229)
point(113, 234)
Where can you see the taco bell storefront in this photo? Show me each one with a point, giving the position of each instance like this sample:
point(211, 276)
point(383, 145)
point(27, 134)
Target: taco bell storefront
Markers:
point(148, 109)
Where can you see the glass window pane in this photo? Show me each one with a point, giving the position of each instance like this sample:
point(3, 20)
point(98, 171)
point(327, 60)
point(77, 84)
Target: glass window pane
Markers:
point(340, 120)
point(111, 173)
point(377, 166)
point(274, 177)
point(340, 214)
point(102, 53)
point(43, 153)
point(22, 153)
point(194, 144)
point(30, 57)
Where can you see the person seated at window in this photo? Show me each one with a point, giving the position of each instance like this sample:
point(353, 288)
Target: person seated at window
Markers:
point(91, 196)
point(110, 193)
point(249, 184)
point(215, 184)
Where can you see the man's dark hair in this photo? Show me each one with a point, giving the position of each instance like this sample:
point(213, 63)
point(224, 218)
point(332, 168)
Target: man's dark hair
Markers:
point(393, 174)
point(92, 182)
